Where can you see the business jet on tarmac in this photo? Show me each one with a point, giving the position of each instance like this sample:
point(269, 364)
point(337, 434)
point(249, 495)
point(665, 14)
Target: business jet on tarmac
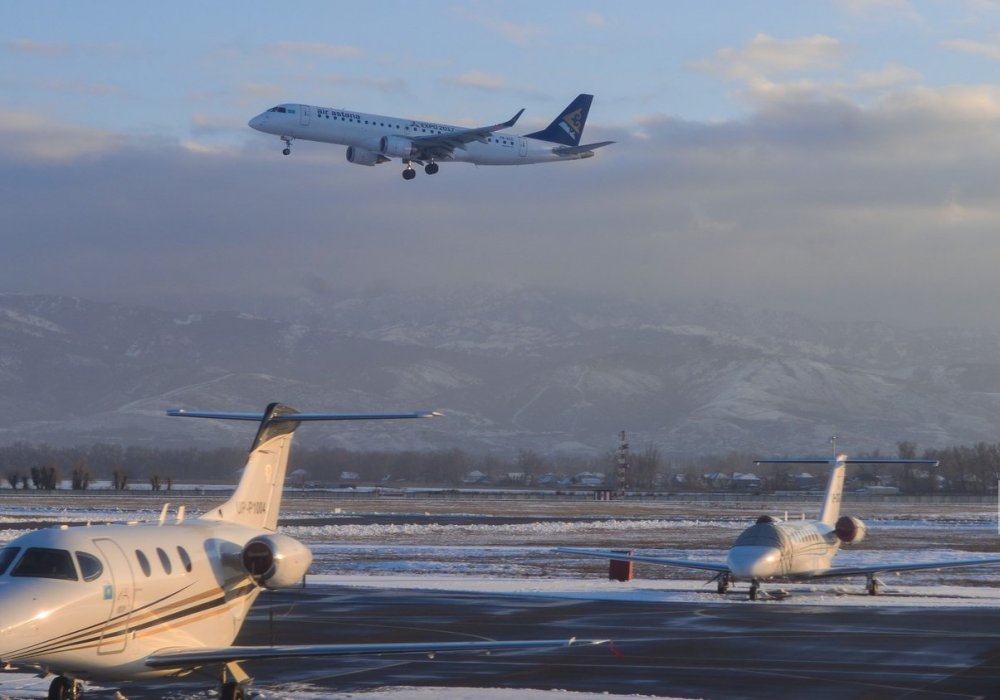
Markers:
point(773, 549)
point(372, 139)
point(132, 602)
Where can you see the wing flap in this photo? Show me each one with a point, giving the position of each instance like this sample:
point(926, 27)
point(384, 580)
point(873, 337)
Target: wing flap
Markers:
point(901, 566)
point(190, 658)
point(663, 561)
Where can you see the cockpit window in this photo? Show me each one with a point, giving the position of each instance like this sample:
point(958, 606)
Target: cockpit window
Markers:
point(90, 566)
point(283, 110)
point(7, 555)
point(763, 534)
point(41, 562)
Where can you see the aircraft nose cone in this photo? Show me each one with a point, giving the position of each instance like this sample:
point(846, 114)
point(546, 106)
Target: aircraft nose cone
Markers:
point(747, 562)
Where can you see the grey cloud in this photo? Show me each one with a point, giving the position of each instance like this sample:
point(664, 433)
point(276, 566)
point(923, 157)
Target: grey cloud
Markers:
point(885, 212)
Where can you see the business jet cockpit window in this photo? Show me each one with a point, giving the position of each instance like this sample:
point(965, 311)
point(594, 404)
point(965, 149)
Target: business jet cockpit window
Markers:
point(90, 566)
point(41, 562)
point(7, 555)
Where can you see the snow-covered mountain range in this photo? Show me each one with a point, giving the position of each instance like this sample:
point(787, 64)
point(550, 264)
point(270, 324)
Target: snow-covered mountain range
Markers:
point(526, 369)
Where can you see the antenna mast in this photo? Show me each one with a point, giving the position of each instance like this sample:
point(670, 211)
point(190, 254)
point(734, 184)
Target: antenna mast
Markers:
point(621, 469)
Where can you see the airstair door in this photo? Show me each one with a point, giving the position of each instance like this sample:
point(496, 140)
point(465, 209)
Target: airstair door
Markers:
point(120, 595)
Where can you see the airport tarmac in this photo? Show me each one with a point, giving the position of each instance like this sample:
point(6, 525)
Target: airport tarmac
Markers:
point(686, 650)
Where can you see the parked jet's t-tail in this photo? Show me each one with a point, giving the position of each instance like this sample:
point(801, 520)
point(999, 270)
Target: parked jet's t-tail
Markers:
point(795, 550)
point(372, 139)
point(132, 602)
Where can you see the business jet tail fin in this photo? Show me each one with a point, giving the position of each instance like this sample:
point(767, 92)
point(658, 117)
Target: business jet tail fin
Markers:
point(257, 498)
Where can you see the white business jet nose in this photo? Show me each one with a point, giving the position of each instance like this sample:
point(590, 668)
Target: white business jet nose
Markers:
point(22, 612)
point(750, 562)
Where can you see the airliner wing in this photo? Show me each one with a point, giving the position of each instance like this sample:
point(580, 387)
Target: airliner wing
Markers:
point(440, 146)
point(680, 563)
point(192, 658)
point(910, 566)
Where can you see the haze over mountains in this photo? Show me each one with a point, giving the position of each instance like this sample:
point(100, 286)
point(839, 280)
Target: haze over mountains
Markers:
point(525, 369)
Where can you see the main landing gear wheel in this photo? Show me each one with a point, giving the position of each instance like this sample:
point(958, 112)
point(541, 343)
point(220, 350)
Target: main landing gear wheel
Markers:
point(873, 584)
point(754, 587)
point(64, 688)
point(409, 174)
point(723, 584)
point(232, 691)
point(431, 168)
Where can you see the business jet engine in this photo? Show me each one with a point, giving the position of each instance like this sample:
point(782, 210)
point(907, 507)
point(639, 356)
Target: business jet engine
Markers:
point(362, 156)
point(397, 147)
point(850, 530)
point(275, 561)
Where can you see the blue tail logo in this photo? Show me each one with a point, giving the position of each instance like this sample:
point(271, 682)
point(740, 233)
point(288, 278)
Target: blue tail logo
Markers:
point(567, 128)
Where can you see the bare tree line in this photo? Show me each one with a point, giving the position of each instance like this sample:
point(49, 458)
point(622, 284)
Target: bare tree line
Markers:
point(964, 469)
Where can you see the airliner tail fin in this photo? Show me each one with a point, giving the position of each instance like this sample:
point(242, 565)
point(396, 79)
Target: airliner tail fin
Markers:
point(567, 128)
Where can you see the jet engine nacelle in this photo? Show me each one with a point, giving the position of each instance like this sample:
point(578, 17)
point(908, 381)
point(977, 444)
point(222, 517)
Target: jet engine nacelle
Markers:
point(362, 156)
point(850, 530)
point(275, 561)
point(397, 147)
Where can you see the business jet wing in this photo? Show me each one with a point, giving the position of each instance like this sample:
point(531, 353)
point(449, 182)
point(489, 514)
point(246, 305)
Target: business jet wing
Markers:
point(441, 146)
point(909, 566)
point(193, 658)
point(617, 556)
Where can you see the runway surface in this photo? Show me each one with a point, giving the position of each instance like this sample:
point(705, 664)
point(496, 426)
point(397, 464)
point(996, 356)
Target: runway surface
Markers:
point(688, 650)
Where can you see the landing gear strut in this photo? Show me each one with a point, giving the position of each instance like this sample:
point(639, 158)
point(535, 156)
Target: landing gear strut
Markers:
point(234, 680)
point(873, 584)
point(64, 688)
point(232, 691)
point(754, 588)
point(723, 584)
point(288, 145)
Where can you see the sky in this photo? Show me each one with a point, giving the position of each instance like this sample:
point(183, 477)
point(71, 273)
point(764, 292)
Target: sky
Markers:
point(834, 158)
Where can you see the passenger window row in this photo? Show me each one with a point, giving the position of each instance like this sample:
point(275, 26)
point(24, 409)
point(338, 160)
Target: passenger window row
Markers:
point(165, 562)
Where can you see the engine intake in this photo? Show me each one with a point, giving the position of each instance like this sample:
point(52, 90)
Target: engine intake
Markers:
point(275, 561)
point(850, 530)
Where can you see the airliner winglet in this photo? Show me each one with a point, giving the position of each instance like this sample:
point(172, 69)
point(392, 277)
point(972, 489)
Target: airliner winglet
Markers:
point(138, 601)
point(372, 139)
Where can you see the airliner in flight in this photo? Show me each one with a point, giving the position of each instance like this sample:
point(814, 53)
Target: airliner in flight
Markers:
point(138, 601)
point(795, 550)
point(372, 139)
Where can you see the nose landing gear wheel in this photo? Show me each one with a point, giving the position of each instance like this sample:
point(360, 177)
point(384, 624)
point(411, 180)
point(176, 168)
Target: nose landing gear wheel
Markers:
point(288, 145)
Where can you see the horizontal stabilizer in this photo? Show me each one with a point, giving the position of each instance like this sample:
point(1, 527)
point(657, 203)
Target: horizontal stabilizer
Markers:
point(299, 417)
point(576, 150)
